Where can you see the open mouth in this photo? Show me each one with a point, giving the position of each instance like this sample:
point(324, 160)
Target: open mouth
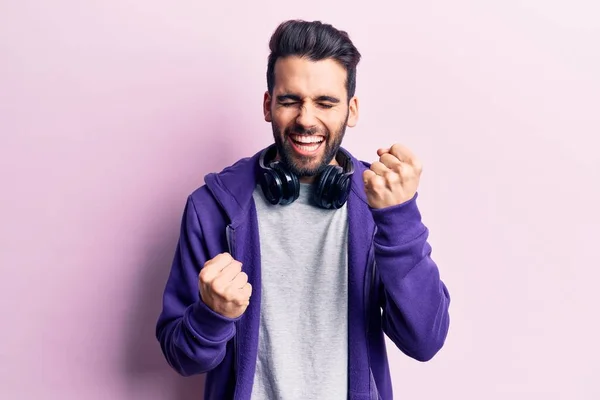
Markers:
point(306, 144)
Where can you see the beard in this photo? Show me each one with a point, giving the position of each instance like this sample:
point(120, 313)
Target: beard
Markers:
point(305, 166)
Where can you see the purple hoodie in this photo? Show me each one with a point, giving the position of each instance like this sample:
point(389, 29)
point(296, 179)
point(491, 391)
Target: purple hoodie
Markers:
point(394, 288)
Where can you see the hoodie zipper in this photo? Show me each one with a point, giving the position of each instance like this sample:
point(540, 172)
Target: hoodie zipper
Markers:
point(369, 282)
point(231, 245)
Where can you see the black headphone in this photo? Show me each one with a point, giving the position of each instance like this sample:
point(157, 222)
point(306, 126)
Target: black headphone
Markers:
point(281, 186)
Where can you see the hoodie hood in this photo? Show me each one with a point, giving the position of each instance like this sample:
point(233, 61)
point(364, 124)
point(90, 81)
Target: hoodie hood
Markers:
point(234, 185)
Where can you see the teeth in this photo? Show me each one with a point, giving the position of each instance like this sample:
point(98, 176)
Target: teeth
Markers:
point(308, 148)
point(307, 139)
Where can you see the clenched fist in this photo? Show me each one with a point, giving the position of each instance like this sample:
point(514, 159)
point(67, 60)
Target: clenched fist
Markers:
point(224, 287)
point(393, 179)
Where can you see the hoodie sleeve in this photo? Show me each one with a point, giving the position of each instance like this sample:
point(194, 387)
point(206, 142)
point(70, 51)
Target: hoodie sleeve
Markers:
point(192, 337)
point(414, 300)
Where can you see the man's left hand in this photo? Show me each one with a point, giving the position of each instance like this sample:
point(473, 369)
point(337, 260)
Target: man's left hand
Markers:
point(393, 179)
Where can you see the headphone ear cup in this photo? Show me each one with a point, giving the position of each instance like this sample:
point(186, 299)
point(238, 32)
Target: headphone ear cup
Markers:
point(272, 186)
point(327, 191)
point(342, 190)
point(290, 184)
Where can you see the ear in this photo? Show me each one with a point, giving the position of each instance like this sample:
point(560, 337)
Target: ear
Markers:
point(353, 112)
point(267, 107)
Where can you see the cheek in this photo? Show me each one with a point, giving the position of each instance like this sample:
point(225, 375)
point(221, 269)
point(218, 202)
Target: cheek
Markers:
point(333, 125)
point(282, 117)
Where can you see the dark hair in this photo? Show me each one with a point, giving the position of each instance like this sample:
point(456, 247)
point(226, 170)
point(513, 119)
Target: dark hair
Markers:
point(316, 41)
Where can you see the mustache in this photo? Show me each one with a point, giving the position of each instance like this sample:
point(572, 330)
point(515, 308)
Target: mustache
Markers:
point(299, 130)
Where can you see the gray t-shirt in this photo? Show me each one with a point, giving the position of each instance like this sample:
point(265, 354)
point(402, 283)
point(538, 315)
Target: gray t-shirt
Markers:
point(303, 335)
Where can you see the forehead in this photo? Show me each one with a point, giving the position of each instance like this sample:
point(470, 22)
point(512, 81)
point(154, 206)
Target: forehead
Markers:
point(303, 76)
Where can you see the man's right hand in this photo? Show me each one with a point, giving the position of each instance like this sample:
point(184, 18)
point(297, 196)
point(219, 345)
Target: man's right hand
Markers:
point(224, 287)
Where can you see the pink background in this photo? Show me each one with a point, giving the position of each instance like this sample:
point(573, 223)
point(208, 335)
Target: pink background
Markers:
point(111, 112)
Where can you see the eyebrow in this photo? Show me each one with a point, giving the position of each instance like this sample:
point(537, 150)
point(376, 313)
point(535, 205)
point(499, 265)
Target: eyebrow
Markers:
point(294, 97)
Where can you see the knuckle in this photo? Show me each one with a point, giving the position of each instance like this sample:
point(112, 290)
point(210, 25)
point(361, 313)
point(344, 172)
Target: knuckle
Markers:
point(202, 276)
point(229, 296)
point(391, 176)
point(205, 276)
point(409, 172)
point(377, 183)
point(246, 292)
point(235, 268)
point(217, 287)
point(207, 264)
point(223, 257)
point(238, 301)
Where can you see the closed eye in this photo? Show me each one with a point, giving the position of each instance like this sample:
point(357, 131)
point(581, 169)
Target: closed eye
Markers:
point(323, 102)
point(322, 105)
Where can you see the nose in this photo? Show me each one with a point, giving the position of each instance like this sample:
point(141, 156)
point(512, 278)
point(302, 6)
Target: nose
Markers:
point(306, 116)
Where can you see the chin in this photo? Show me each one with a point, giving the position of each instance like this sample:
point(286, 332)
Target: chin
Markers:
point(305, 166)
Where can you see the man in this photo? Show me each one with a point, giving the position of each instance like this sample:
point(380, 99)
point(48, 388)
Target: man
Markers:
point(294, 263)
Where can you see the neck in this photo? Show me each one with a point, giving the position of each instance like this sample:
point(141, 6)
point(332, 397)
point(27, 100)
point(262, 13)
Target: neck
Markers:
point(307, 179)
